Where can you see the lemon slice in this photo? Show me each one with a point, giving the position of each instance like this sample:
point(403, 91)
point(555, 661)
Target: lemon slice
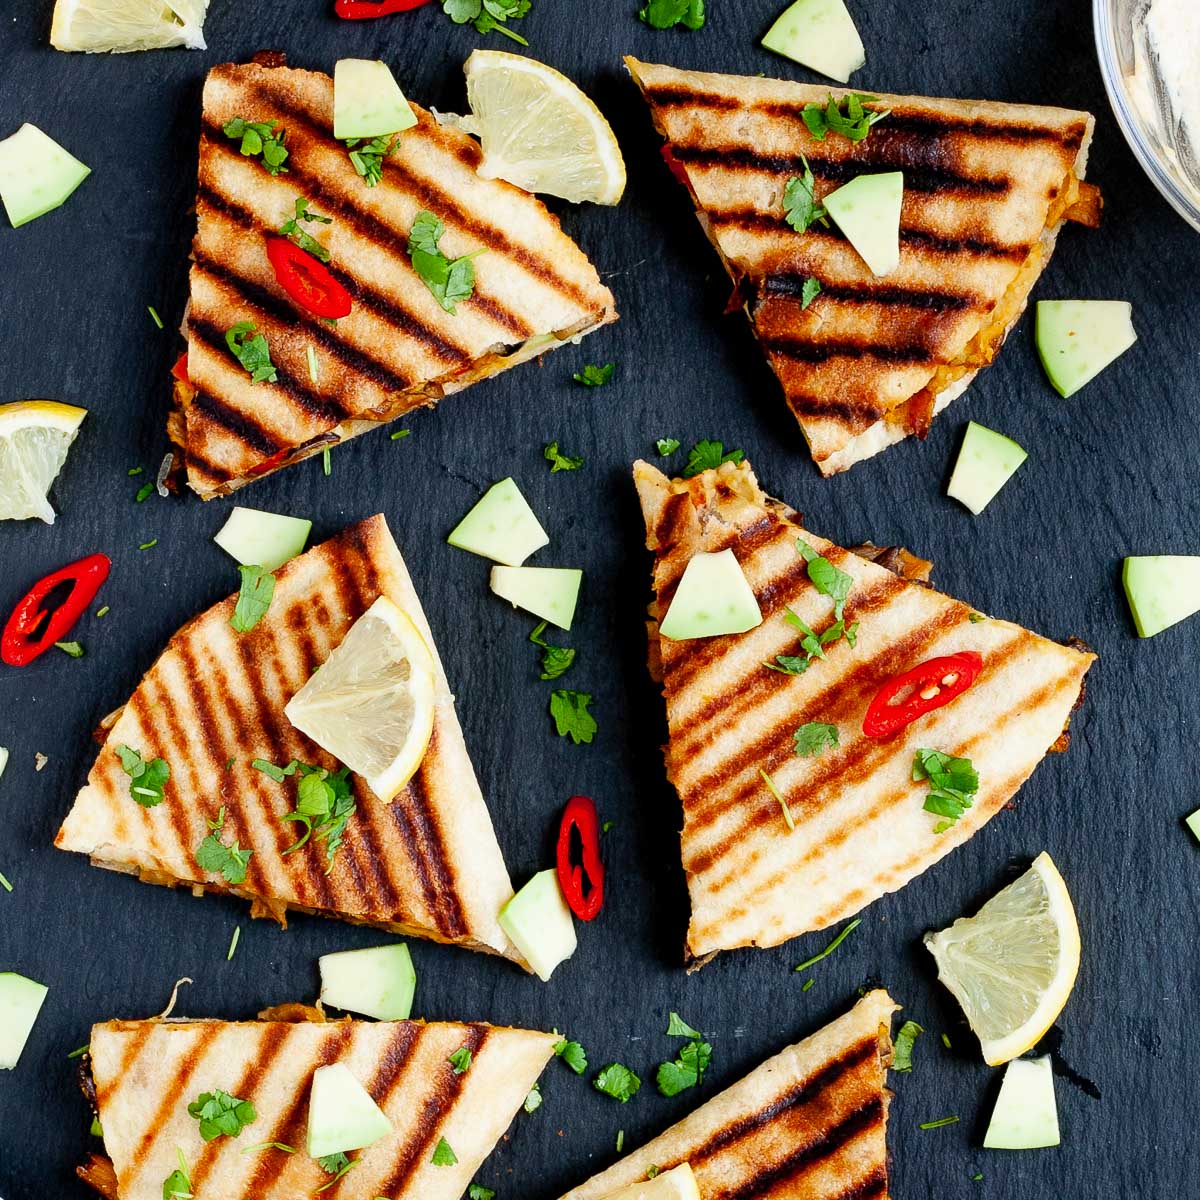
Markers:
point(1012, 966)
point(35, 436)
point(371, 703)
point(123, 25)
point(539, 131)
point(677, 1184)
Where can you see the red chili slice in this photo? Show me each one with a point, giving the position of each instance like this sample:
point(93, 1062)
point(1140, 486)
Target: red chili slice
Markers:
point(33, 628)
point(925, 688)
point(677, 168)
point(361, 10)
point(179, 370)
point(580, 869)
point(307, 281)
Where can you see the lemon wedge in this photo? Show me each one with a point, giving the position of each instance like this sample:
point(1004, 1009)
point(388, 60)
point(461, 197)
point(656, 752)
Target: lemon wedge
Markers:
point(1012, 966)
point(371, 703)
point(35, 436)
point(125, 25)
point(539, 131)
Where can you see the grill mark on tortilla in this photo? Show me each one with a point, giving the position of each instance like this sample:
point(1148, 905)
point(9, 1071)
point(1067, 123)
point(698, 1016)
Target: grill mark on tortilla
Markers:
point(173, 1093)
point(257, 297)
point(926, 177)
point(798, 349)
point(246, 430)
point(386, 308)
point(432, 1119)
point(130, 1052)
point(790, 284)
point(432, 198)
point(930, 124)
point(395, 1058)
point(846, 412)
point(273, 1037)
point(676, 97)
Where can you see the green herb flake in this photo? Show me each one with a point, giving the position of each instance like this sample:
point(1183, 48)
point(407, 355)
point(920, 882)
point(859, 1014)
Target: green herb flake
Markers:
point(74, 649)
point(144, 493)
point(666, 446)
point(214, 856)
point(250, 348)
point(178, 1185)
point(809, 292)
point(571, 717)
point(488, 16)
point(953, 783)
point(103, 612)
point(533, 1101)
point(8, 887)
point(96, 1130)
point(940, 1123)
point(556, 660)
point(573, 1055)
point(337, 1165)
point(808, 983)
point(477, 1192)
point(593, 376)
point(667, 14)
point(233, 943)
point(788, 819)
point(652, 1172)
point(135, 471)
point(302, 238)
point(560, 462)
point(617, 1081)
point(906, 1037)
point(854, 124)
point(975, 618)
point(154, 315)
point(607, 826)
point(221, 1115)
point(78, 1052)
point(395, 437)
point(367, 160)
point(977, 1177)
point(258, 1149)
point(620, 1140)
point(324, 805)
point(837, 941)
point(814, 739)
point(706, 455)
point(449, 280)
point(146, 779)
point(800, 207)
point(326, 462)
point(687, 1071)
point(262, 140)
point(460, 1060)
point(254, 598)
point(443, 1155)
point(149, 545)
point(946, 1041)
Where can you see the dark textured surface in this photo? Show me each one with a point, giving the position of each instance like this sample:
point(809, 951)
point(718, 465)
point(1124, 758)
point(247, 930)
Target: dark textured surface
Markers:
point(1111, 472)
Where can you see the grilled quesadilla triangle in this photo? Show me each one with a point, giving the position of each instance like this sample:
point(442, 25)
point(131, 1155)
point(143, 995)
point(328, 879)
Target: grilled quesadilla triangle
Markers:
point(427, 864)
point(146, 1073)
point(860, 825)
point(398, 348)
point(808, 1124)
point(871, 360)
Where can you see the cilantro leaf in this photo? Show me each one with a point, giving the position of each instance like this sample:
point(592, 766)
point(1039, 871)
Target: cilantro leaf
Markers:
point(488, 15)
point(251, 350)
point(953, 783)
point(460, 1060)
point(666, 14)
point(221, 1115)
point(854, 124)
point(617, 1081)
point(560, 462)
point(826, 578)
point(71, 649)
point(336, 1165)
point(571, 717)
point(259, 140)
point(368, 162)
point(678, 1027)
point(145, 492)
point(800, 207)
point(324, 805)
point(905, 1037)
point(146, 779)
point(449, 280)
point(302, 238)
point(705, 455)
point(213, 855)
point(556, 660)
point(789, 664)
point(687, 1071)
point(478, 1192)
point(809, 291)
point(533, 1101)
point(573, 1054)
point(443, 1155)
point(666, 446)
point(176, 1184)
point(814, 739)
point(254, 598)
point(593, 376)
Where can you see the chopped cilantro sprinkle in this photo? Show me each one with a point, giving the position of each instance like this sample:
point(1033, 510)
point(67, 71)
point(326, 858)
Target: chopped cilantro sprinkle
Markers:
point(443, 1154)
point(233, 943)
point(905, 1039)
point(938, 1124)
point(149, 545)
point(837, 941)
point(708, 454)
point(788, 819)
point(74, 649)
point(666, 446)
point(4, 882)
point(618, 1081)
point(593, 376)
point(571, 717)
point(154, 315)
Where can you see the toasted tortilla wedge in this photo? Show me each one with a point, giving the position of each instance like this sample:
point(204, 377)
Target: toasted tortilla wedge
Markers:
point(426, 864)
point(809, 1124)
point(398, 348)
point(987, 187)
point(146, 1073)
point(860, 826)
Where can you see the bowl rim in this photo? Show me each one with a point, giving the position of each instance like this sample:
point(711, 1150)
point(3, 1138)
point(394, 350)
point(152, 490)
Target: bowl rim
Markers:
point(1110, 71)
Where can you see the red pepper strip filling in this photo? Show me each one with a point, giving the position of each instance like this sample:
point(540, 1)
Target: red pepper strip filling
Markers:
point(580, 869)
point(307, 281)
point(925, 688)
point(44, 616)
point(179, 370)
point(361, 10)
point(677, 168)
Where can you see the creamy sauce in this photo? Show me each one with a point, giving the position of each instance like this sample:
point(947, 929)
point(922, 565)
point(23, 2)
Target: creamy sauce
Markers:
point(1165, 85)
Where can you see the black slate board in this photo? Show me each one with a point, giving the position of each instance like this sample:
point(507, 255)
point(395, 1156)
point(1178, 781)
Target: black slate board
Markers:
point(1111, 472)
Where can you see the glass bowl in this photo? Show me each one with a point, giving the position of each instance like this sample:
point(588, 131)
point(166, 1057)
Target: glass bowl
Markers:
point(1128, 68)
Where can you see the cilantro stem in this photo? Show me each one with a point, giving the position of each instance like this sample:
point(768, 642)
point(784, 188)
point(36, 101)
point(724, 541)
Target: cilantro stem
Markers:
point(787, 812)
point(837, 941)
point(233, 945)
point(154, 315)
point(938, 1124)
point(4, 883)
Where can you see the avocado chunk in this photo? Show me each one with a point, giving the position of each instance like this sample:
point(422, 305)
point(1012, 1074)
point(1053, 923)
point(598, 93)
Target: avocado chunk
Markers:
point(341, 1114)
point(712, 598)
point(1025, 1116)
point(379, 982)
point(36, 174)
point(262, 539)
point(501, 527)
point(21, 1000)
point(819, 34)
point(539, 923)
point(986, 462)
point(1162, 590)
point(548, 592)
point(1077, 339)
point(867, 211)
point(367, 100)
point(3, 760)
point(1193, 823)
